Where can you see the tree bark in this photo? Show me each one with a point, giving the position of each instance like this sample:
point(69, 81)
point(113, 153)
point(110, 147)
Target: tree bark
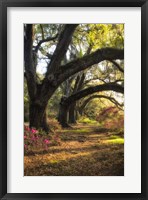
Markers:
point(72, 114)
point(99, 88)
point(29, 64)
point(83, 63)
point(63, 115)
point(38, 116)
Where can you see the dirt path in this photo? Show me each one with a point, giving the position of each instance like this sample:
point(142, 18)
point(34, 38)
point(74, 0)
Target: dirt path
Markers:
point(86, 150)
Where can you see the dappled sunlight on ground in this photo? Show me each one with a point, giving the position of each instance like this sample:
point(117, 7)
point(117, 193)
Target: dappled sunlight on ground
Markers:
point(84, 151)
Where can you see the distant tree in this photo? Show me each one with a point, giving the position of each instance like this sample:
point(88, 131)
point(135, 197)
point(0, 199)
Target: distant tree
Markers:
point(97, 96)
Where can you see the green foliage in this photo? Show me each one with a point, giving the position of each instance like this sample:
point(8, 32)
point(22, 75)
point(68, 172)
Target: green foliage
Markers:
point(92, 108)
point(86, 120)
point(99, 36)
point(82, 130)
point(114, 137)
point(106, 35)
point(116, 141)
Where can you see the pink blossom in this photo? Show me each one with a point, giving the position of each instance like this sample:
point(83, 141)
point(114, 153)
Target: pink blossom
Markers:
point(33, 138)
point(33, 131)
point(25, 146)
point(25, 136)
point(46, 141)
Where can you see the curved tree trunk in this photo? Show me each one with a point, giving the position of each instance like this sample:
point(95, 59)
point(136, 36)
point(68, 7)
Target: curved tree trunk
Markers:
point(72, 114)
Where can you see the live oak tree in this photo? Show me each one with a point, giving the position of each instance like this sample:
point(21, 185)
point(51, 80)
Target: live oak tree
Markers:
point(112, 71)
point(67, 102)
point(57, 72)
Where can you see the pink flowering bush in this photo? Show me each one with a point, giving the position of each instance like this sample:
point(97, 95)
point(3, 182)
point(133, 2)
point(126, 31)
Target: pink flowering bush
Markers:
point(111, 118)
point(38, 140)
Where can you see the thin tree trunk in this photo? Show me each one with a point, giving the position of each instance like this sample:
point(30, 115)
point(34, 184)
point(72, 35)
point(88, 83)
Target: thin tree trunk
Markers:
point(72, 114)
point(63, 116)
point(77, 114)
point(80, 111)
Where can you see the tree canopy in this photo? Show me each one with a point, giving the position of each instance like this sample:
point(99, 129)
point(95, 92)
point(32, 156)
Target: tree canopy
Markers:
point(76, 58)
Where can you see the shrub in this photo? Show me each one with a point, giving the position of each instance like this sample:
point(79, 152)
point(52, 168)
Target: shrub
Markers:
point(111, 118)
point(37, 140)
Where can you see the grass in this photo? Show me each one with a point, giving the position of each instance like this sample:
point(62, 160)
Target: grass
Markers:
point(76, 131)
point(115, 141)
point(84, 151)
point(114, 137)
point(87, 121)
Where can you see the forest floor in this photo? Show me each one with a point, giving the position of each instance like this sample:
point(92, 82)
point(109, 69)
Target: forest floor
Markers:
point(85, 150)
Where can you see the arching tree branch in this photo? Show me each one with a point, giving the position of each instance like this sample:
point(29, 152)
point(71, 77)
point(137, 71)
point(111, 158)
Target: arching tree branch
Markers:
point(83, 63)
point(86, 101)
point(67, 102)
point(91, 90)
